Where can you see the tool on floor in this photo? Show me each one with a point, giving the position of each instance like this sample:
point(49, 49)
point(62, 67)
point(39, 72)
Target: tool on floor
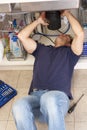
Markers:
point(6, 93)
point(71, 109)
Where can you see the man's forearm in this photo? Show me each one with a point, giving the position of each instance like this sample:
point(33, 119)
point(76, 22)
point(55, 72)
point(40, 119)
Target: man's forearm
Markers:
point(25, 33)
point(76, 27)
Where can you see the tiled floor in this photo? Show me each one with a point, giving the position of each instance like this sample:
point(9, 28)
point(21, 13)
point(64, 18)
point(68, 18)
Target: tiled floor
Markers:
point(21, 81)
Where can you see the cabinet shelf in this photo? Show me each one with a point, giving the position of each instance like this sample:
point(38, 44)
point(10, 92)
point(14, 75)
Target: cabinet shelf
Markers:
point(17, 64)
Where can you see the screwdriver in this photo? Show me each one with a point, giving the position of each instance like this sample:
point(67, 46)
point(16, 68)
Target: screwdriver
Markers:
point(71, 109)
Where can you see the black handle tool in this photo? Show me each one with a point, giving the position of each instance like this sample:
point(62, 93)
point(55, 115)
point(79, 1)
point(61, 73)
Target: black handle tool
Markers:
point(71, 109)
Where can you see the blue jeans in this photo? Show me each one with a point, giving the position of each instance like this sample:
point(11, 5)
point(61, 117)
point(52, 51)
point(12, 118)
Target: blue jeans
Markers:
point(48, 106)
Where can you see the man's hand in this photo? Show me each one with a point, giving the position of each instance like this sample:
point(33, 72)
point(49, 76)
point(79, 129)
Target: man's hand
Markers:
point(65, 12)
point(42, 19)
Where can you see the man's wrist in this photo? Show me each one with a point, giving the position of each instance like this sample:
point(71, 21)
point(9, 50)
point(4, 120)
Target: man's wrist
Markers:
point(38, 21)
point(67, 13)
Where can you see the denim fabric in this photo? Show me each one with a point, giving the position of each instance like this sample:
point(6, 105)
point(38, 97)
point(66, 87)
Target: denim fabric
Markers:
point(46, 106)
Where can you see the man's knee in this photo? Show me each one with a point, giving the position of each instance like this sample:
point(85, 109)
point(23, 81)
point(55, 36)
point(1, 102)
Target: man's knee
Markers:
point(19, 107)
point(47, 100)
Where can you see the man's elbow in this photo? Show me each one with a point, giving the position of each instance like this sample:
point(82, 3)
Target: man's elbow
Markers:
point(81, 34)
point(20, 36)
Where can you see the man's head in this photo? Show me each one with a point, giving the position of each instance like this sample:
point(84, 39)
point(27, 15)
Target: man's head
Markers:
point(63, 40)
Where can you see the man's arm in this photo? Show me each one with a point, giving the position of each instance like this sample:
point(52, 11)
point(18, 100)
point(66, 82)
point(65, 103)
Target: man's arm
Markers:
point(24, 35)
point(77, 43)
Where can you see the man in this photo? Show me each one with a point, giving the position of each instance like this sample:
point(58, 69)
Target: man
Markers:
point(49, 93)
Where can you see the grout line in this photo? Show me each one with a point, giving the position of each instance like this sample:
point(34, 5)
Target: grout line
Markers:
point(18, 79)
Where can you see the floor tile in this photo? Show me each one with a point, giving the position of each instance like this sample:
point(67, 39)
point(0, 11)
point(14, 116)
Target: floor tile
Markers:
point(10, 126)
point(3, 125)
point(70, 126)
point(25, 79)
point(41, 126)
point(81, 108)
point(10, 77)
point(70, 117)
point(5, 111)
point(21, 92)
point(80, 78)
point(80, 125)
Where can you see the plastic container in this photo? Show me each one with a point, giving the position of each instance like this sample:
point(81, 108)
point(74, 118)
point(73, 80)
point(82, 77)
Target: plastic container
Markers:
point(16, 48)
point(10, 40)
point(1, 50)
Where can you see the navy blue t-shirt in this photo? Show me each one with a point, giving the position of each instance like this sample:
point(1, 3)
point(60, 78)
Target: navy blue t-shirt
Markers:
point(53, 68)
